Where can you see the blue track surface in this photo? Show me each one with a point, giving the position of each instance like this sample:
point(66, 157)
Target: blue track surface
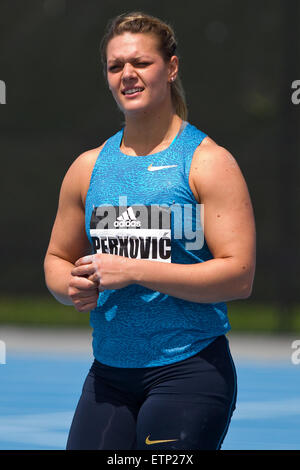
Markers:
point(38, 395)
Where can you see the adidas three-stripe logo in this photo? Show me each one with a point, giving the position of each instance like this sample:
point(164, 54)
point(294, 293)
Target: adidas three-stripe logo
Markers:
point(127, 219)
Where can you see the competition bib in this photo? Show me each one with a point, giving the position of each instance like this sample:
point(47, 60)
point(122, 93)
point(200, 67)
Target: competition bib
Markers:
point(141, 232)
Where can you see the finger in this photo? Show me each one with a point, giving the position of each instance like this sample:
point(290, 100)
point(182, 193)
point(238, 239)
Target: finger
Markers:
point(83, 294)
point(85, 260)
point(81, 307)
point(83, 270)
point(95, 278)
point(89, 307)
point(82, 283)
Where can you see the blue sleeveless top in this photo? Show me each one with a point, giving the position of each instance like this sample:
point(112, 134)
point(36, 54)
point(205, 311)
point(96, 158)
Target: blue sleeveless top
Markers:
point(142, 207)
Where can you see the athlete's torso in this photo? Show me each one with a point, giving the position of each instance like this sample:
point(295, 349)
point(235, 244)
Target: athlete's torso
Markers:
point(143, 207)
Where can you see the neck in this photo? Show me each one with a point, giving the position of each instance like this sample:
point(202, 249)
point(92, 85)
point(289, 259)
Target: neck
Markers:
point(145, 133)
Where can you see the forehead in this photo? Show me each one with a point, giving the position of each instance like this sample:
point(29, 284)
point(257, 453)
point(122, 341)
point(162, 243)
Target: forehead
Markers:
point(129, 45)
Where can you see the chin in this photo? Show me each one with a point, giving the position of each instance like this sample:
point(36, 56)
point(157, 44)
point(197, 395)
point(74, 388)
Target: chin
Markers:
point(138, 109)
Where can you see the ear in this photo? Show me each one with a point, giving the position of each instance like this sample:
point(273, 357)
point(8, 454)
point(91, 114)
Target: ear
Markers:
point(173, 68)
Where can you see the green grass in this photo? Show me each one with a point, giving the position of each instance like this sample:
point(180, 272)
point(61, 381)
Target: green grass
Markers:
point(46, 311)
point(260, 317)
point(40, 311)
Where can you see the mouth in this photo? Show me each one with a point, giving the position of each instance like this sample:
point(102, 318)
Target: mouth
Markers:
point(132, 92)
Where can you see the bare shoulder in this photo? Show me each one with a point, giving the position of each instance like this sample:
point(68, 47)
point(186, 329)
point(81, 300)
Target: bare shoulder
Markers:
point(210, 154)
point(212, 164)
point(78, 176)
point(85, 161)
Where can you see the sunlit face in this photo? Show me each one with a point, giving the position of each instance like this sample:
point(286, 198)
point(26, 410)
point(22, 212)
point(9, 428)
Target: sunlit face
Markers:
point(137, 74)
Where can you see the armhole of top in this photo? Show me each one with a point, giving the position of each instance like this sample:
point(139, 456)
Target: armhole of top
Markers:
point(92, 178)
point(94, 170)
point(189, 165)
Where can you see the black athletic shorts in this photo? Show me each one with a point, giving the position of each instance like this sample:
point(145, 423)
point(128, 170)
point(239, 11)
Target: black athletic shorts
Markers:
point(184, 405)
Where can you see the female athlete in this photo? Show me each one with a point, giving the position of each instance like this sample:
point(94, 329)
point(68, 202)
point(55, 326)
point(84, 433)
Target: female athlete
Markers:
point(154, 234)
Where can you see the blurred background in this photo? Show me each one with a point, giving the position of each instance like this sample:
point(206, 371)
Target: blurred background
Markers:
point(240, 67)
point(238, 62)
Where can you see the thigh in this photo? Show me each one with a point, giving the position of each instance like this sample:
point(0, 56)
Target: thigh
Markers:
point(191, 402)
point(166, 424)
point(102, 423)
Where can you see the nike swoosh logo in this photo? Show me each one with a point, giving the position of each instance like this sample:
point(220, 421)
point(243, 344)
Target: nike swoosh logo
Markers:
point(155, 168)
point(148, 442)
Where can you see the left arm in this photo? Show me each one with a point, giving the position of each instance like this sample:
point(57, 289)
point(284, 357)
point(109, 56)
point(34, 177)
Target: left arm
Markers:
point(229, 230)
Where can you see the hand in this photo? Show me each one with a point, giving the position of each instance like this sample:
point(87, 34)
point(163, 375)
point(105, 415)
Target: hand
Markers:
point(106, 270)
point(83, 293)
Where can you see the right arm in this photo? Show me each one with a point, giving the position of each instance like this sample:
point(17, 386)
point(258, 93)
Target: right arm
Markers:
point(68, 241)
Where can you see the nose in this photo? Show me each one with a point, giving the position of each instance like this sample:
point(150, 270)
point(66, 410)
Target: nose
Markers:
point(128, 71)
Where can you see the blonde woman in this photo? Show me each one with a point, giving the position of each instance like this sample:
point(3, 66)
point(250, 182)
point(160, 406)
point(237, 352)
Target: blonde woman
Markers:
point(154, 234)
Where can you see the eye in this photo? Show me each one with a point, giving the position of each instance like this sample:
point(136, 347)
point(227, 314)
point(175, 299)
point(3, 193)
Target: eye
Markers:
point(113, 68)
point(116, 67)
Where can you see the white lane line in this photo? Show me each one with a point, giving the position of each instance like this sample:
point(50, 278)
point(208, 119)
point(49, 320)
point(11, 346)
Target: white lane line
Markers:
point(257, 410)
point(50, 430)
point(46, 429)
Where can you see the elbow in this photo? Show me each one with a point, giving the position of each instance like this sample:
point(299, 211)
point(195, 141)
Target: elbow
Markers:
point(48, 275)
point(46, 272)
point(46, 263)
point(245, 292)
point(246, 280)
point(246, 288)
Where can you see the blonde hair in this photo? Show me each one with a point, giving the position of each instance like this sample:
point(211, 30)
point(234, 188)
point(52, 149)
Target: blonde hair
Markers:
point(139, 22)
